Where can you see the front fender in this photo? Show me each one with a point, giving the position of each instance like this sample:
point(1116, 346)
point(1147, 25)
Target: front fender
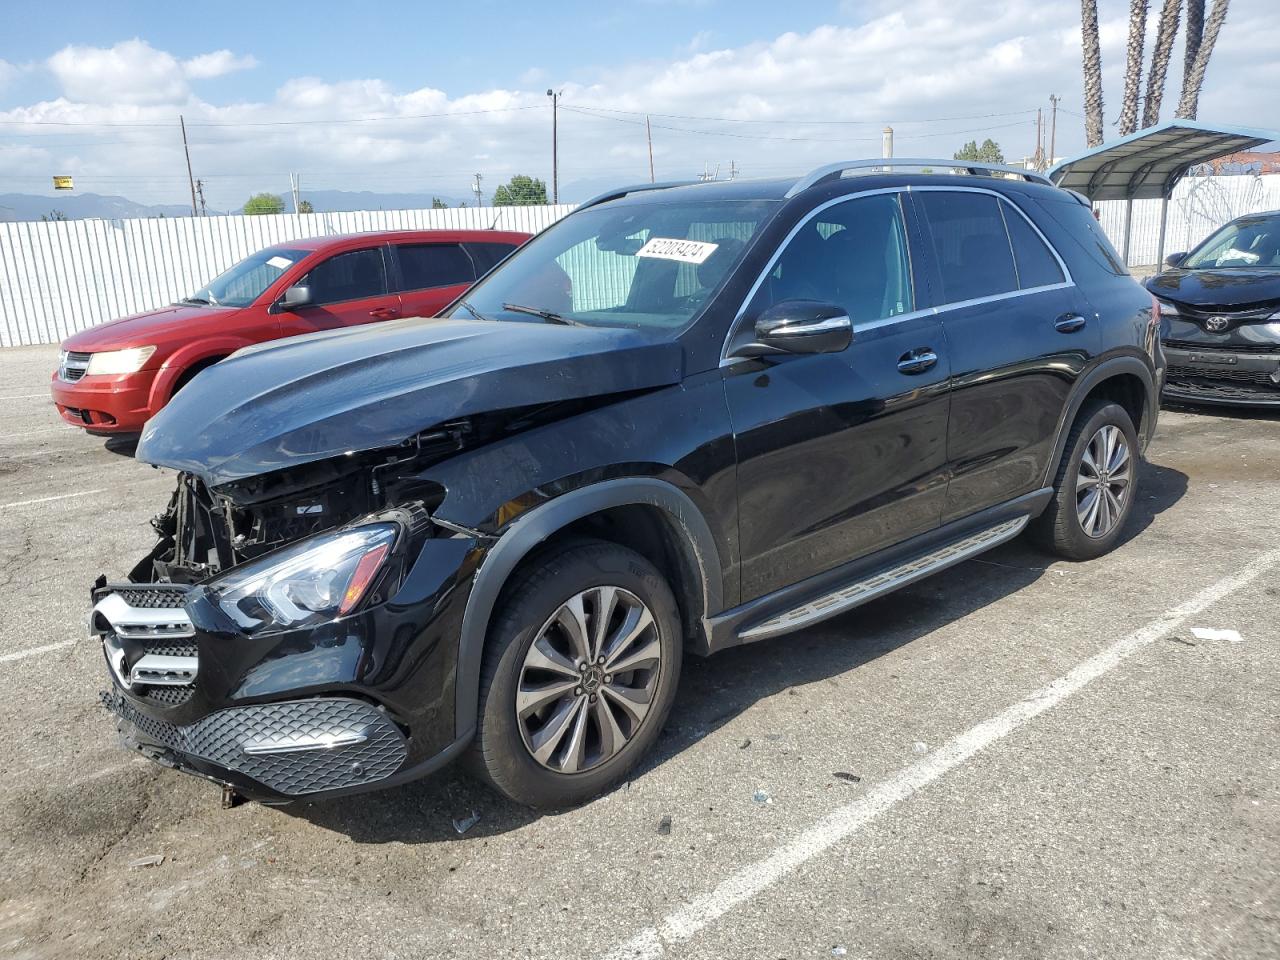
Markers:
point(182, 359)
point(535, 526)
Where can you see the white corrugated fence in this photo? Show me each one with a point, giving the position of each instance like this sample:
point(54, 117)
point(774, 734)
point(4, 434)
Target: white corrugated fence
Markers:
point(61, 277)
point(58, 278)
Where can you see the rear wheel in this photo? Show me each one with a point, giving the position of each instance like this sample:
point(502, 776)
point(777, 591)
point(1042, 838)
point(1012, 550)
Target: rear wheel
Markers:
point(579, 675)
point(1095, 486)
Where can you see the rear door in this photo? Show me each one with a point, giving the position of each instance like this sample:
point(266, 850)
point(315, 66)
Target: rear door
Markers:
point(347, 288)
point(840, 454)
point(1019, 332)
point(431, 276)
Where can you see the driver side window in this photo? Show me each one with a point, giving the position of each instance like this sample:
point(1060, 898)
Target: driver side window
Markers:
point(852, 255)
point(354, 275)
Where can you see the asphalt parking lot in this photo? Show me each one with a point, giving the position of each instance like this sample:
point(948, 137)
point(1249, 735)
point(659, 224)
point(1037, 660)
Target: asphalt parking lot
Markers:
point(1018, 758)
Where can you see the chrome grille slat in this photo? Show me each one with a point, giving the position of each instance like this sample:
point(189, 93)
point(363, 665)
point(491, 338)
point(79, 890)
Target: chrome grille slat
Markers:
point(72, 365)
point(166, 662)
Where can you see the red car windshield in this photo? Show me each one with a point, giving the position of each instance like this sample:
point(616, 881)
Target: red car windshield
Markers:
point(244, 283)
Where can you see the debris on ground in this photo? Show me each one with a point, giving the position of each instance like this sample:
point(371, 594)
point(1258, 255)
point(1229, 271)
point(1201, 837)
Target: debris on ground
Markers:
point(466, 823)
point(847, 777)
point(920, 747)
point(152, 861)
point(838, 951)
point(664, 826)
point(1208, 633)
point(744, 744)
point(762, 797)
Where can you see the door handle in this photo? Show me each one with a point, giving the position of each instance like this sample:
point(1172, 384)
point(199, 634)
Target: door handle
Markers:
point(1069, 323)
point(917, 361)
point(384, 313)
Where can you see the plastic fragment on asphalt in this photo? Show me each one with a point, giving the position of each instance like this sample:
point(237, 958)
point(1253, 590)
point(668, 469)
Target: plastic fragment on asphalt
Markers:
point(920, 747)
point(1207, 633)
point(847, 777)
point(744, 744)
point(152, 861)
point(762, 797)
point(838, 951)
point(466, 823)
point(664, 826)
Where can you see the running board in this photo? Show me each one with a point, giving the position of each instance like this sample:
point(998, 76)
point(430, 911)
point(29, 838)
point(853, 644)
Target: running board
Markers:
point(860, 591)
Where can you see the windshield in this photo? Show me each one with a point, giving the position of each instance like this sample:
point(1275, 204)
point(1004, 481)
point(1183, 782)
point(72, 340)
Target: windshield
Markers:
point(1246, 243)
point(650, 266)
point(244, 283)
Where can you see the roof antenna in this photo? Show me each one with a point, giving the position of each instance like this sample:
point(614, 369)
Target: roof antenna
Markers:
point(494, 225)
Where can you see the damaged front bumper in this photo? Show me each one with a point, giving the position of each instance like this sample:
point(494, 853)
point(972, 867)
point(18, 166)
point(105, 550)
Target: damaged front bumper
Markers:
point(356, 703)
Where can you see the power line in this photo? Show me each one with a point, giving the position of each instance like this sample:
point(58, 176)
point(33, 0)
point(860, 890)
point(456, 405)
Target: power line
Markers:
point(262, 123)
point(678, 116)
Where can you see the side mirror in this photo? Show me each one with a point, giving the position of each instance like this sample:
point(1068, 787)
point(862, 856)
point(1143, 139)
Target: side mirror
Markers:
point(1174, 259)
point(295, 297)
point(800, 326)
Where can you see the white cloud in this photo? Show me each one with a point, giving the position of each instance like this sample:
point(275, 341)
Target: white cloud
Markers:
point(216, 64)
point(7, 73)
point(950, 71)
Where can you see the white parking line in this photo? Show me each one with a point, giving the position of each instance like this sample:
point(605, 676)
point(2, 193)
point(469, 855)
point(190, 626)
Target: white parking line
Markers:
point(35, 651)
point(63, 496)
point(843, 822)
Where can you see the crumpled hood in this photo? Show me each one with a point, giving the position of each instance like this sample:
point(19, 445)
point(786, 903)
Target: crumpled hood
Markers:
point(289, 402)
point(1236, 288)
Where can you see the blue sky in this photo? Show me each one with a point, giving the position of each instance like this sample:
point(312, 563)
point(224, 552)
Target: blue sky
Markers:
point(416, 97)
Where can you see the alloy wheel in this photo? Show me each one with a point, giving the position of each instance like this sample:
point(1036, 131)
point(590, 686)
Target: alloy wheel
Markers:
point(1102, 483)
point(588, 679)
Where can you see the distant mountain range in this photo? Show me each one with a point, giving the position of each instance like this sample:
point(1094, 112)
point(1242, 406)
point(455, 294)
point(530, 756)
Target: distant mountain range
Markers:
point(83, 206)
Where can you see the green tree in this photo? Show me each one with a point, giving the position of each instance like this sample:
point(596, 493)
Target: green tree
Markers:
point(989, 152)
point(522, 191)
point(53, 216)
point(304, 206)
point(438, 204)
point(262, 203)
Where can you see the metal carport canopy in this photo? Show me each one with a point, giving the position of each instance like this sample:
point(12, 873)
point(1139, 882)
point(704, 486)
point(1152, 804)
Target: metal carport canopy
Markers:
point(1148, 164)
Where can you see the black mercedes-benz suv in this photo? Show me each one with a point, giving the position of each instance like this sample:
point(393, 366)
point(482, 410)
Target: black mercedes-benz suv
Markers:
point(1220, 316)
point(685, 417)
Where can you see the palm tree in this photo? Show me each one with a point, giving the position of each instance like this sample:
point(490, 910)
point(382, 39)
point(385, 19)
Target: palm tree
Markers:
point(1193, 79)
point(1133, 66)
point(1092, 72)
point(1160, 56)
point(1195, 32)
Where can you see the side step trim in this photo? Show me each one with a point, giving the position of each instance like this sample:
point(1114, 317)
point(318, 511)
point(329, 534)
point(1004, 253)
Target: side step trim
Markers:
point(860, 591)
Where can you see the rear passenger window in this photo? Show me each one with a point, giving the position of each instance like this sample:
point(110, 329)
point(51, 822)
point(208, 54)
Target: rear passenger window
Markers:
point(488, 255)
point(424, 265)
point(1036, 264)
point(970, 245)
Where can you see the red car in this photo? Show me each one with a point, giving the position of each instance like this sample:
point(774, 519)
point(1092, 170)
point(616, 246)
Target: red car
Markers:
point(111, 378)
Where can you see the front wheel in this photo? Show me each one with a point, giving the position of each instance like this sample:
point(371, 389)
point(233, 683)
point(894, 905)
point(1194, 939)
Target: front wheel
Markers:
point(1095, 487)
point(580, 671)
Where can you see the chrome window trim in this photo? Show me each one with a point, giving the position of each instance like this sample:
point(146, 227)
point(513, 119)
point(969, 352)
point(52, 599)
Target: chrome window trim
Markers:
point(726, 360)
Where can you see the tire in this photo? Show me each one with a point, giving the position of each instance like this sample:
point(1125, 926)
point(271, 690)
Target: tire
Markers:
point(1061, 528)
point(540, 606)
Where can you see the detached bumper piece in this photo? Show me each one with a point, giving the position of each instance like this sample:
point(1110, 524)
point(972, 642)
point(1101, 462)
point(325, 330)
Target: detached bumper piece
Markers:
point(294, 749)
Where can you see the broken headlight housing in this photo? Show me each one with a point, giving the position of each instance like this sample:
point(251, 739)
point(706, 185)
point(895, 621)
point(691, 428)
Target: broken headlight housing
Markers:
point(311, 582)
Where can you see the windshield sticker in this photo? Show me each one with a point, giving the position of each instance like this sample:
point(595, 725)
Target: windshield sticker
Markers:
point(685, 251)
point(280, 263)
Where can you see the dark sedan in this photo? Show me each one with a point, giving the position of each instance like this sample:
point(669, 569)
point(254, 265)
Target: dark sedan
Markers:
point(1220, 316)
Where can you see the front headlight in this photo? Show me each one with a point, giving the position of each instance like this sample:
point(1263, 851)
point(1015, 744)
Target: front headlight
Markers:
point(119, 361)
point(1168, 309)
point(311, 582)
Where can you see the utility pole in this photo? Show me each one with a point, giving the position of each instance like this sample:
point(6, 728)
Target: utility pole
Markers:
point(190, 179)
point(649, 136)
point(555, 147)
point(1038, 159)
point(886, 143)
point(475, 188)
point(733, 169)
point(1053, 127)
point(204, 212)
point(295, 185)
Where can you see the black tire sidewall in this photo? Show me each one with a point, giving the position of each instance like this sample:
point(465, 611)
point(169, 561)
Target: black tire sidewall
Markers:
point(1071, 540)
point(499, 754)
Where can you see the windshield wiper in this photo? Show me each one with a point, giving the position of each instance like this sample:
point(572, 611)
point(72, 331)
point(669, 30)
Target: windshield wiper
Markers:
point(549, 315)
point(198, 301)
point(472, 310)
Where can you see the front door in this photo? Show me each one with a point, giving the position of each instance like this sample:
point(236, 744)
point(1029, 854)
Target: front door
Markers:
point(840, 454)
point(432, 276)
point(348, 288)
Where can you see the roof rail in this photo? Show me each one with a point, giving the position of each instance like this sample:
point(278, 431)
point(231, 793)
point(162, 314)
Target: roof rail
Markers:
point(635, 188)
point(835, 170)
